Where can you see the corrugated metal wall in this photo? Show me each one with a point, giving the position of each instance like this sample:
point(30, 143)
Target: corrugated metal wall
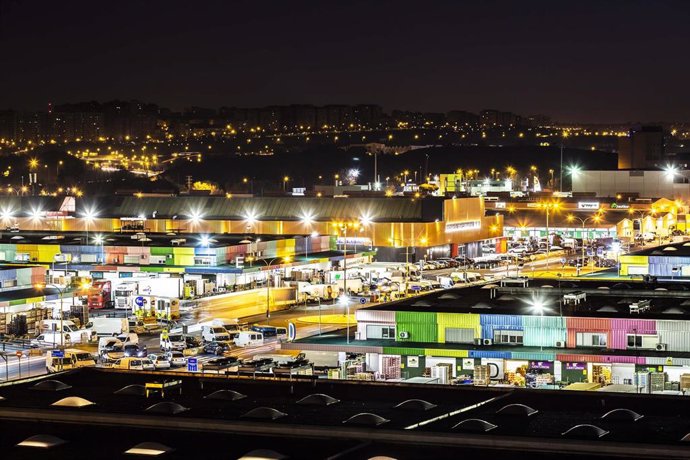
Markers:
point(489, 354)
point(538, 337)
point(575, 325)
point(675, 334)
point(501, 322)
point(534, 356)
point(421, 326)
point(620, 328)
point(457, 320)
point(375, 316)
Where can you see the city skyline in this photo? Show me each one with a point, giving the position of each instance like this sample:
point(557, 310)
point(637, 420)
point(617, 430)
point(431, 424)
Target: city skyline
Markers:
point(568, 63)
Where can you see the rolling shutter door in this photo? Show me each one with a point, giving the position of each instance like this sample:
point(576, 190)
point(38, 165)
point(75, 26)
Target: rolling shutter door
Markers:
point(459, 335)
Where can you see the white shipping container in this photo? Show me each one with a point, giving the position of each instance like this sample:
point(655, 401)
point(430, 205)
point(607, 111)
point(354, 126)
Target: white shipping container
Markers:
point(375, 316)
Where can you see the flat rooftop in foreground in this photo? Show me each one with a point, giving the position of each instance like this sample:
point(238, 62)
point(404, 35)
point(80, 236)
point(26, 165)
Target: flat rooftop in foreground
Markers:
point(116, 422)
point(604, 299)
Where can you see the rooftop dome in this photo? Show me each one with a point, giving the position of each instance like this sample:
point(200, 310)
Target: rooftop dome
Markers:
point(475, 425)
point(264, 413)
point(166, 407)
point(73, 401)
point(225, 395)
point(366, 419)
point(317, 399)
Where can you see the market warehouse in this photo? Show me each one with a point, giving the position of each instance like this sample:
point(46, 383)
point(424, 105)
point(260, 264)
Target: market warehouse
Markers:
point(579, 333)
point(434, 226)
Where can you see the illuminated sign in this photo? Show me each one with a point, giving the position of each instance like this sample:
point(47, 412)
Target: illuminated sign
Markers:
point(500, 205)
point(463, 226)
point(619, 206)
point(575, 366)
point(588, 205)
point(532, 205)
point(354, 240)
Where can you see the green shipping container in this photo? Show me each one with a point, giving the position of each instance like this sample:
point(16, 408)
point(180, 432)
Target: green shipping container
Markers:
point(417, 332)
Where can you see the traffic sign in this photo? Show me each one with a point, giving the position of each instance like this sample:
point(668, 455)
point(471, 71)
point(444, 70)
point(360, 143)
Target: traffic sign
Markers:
point(19, 353)
point(362, 300)
point(140, 301)
point(192, 365)
point(292, 332)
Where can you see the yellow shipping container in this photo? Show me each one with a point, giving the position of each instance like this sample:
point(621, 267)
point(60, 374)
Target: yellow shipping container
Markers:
point(634, 260)
point(457, 320)
point(448, 353)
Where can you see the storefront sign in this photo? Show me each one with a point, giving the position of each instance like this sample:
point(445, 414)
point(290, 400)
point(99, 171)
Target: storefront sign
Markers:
point(352, 241)
point(500, 205)
point(619, 206)
point(575, 366)
point(468, 364)
point(588, 205)
point(463, 226)
point(413, 361)
point(532, 205)
point(540, 365)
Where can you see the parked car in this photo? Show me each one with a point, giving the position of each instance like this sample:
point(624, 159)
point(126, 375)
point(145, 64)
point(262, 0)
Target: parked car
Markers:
point(134, 351)
point(176, 358)
point(217, 348)
point(134, 364)
point(160, 361)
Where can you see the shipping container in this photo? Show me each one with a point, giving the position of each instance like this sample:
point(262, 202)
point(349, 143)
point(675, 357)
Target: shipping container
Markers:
point(546, 337)
point(417, 332)
point(446, 352)
point(490, 354)
point(457, 321)
point(375, 316)
point(501, 322)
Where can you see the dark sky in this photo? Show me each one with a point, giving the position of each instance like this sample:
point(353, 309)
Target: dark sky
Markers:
point(591, 61)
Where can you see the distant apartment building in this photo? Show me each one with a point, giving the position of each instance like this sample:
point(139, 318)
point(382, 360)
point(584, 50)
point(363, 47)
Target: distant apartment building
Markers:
point(494, 118)
point(462, 117)
point(642, 148)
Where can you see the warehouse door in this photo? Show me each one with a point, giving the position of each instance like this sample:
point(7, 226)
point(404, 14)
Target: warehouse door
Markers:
point(459, 335)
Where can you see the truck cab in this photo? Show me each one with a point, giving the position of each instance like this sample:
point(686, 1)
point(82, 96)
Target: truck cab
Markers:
point(100, 295)
point(125, 293)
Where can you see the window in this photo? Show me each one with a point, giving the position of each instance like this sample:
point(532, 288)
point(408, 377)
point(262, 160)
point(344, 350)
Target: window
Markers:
point(204, 260)
point(387, 332)
point(591, 339)
point(643, 341)
point(508, 337)
point(375, 331)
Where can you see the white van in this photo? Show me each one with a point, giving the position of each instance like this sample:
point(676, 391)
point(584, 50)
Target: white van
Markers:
point(108, 326)
point(249, 339)
point(214, 334)
point(130, 338)
point(71, 359)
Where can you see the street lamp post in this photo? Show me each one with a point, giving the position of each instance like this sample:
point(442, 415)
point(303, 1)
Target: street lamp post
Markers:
point(61, 292)
point(596, 219)
point(268, 283)
point(549, 207)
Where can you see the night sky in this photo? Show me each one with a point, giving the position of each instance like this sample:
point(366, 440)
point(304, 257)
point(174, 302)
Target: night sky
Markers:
point(588, 61)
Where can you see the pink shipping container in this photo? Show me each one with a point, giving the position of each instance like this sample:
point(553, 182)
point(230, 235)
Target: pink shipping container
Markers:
point(575, 325)
point(621, 328)
point(602, 359)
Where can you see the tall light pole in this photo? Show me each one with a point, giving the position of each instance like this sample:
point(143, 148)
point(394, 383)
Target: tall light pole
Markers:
point(642, 215)
point(549, 206)
point(61, 292)
point(268, 283)
point(88, 215)
point(595, 218)
point(560, 170)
